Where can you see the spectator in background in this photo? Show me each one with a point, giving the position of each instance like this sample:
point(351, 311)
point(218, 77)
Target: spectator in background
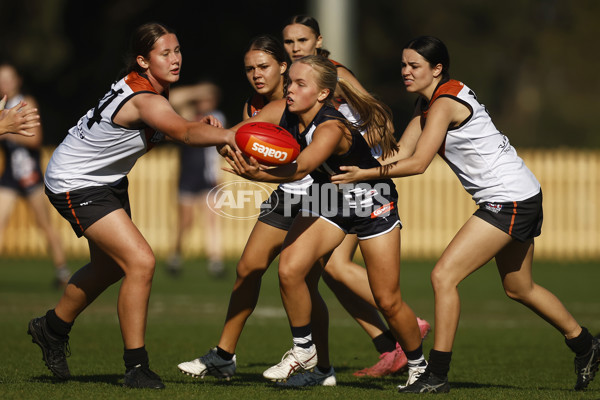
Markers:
point(198, 174)
point(22, 175)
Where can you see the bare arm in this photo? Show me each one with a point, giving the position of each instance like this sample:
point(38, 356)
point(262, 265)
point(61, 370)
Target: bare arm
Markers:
point(272, 113)
point(327, 139)
point(156, 112)
point(441, 115)
point(407, 142)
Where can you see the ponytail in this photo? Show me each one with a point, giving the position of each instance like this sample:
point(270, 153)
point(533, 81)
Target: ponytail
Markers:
point(375, 118)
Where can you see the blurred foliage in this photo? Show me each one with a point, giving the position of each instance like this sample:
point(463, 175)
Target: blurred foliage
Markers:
point(531, 62)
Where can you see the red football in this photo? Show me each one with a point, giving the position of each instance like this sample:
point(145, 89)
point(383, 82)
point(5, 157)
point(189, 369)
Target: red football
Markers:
point(270, 144)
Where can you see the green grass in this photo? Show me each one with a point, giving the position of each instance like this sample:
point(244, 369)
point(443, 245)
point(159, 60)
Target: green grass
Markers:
point(502, 351)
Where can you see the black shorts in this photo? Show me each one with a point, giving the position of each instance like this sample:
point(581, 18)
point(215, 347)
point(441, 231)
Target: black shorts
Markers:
point(375, 214)
point(280, 209)
point(520, 219)
point(83, 207)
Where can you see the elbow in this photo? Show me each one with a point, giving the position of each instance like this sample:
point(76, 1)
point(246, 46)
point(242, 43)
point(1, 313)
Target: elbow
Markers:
point(299, 173)
point(186, 138)
point(298, 176)
point(420, 169)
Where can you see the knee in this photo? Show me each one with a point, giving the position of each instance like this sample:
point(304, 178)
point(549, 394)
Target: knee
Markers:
point(334, 269)
point(516, 293)
point(248, 270)
point(513, 295)
point(441, 279)
point(389, 302)
point(143, 266)
point(289, 276)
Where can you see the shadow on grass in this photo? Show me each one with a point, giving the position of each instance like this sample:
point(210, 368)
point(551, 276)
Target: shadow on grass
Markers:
point(240, 379)
point(474, 385)
point(112, 379)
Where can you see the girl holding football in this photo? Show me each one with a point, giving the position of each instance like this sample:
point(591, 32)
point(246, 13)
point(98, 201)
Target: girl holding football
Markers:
point(302, 37)
point(86, 181)
point(449, 120)
point(347, 280)
point(266, 64)
point(328, 140)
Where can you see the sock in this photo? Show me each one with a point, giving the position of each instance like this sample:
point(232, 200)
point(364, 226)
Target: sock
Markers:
point(385, 342)
point(57, 325)
point(415, 357)
point(439, 363)
point(224, 354)
point(581, 344)
point(135, 357)
point(324, 370)
point(302, 336)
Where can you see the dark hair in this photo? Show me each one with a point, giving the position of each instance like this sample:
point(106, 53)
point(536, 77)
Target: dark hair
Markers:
point(142, 42)
point(433, 50)
point(313, 25)
point(271, 45)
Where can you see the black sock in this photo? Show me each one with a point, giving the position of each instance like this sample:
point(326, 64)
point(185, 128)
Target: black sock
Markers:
point(135, 357)
point(414, 354)
point(302, 336)
point(57, 325)
point(581, 344)
point(224, 354)
point(439, 363)
point(385, 343)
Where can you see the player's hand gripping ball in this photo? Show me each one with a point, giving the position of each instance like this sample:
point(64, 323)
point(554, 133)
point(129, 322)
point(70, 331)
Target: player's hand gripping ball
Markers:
point(270, 144)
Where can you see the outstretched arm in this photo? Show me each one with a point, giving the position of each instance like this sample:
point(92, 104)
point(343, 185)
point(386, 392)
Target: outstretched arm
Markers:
point(426, 144)
point(156, 112)
point(327, 139)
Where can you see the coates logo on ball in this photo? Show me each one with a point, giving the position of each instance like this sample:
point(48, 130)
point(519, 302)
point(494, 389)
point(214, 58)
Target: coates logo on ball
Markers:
point(268, 143)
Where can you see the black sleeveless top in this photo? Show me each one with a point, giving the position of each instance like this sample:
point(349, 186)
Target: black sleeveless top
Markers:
point(358, 155)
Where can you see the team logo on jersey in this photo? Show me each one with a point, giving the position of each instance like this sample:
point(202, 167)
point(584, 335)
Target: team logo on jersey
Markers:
point(495, 208)
point(383, 211)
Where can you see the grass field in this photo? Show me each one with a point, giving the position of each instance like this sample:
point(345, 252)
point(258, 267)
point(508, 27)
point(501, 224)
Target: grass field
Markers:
point(503, 351)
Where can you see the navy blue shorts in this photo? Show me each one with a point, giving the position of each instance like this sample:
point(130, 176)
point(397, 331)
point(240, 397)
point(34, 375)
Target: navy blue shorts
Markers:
point(280, 209)
point(368, 213)
point(520, 219)
point(85, 206)
point(24, 175)
point(198, 170)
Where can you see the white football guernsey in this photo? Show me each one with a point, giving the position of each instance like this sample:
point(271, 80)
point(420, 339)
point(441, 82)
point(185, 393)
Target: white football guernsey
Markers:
point(97, 151)
point(480, 155)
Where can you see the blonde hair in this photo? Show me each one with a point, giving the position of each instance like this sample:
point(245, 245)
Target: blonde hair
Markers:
point(375, 116)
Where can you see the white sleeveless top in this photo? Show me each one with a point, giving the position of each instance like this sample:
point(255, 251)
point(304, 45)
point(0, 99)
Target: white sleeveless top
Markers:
point(480, 155)
point(97, 151)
